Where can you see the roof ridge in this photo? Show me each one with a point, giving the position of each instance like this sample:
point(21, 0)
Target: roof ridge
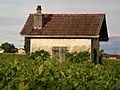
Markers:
point(74, 14)
point(97, 14)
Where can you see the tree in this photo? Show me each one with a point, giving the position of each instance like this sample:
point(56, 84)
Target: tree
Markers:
point(8, 48)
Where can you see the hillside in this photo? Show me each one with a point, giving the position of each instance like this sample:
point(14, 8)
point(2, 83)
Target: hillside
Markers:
point(112, 46)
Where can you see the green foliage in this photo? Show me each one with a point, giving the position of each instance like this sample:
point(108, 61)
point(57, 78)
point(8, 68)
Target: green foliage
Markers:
point(8, 48)
point(19, 73)
point(40, 55)
point(75, 57)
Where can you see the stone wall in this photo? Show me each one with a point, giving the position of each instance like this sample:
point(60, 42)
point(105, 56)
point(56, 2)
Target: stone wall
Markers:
point(71, 44)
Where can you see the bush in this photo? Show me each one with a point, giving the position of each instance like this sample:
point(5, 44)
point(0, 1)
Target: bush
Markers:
point(40, 55)
point(75, 57)
point(17, 73)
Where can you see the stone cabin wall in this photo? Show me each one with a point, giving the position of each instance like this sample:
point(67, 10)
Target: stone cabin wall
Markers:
point(71, 44)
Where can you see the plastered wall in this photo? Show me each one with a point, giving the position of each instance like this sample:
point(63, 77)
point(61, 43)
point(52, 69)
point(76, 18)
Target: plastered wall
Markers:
point(71, 44)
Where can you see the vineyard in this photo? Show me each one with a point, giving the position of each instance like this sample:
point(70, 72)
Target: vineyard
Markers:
point(19, 72)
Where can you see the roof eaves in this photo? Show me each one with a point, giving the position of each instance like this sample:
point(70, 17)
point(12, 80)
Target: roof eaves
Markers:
point(60, 36)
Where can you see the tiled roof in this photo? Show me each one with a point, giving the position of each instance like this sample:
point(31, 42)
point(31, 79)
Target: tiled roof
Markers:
point(67, 24)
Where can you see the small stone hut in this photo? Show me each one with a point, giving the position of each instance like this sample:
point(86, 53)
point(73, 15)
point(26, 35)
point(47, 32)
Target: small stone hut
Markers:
point(57, 33)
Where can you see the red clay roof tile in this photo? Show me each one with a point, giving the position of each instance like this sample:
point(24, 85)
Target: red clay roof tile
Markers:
point(66, 24)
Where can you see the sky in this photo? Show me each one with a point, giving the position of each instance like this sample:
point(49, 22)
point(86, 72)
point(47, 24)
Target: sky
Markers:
point(13, 14)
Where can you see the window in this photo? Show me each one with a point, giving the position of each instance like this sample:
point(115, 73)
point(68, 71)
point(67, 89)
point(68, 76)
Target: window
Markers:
point(59, 52)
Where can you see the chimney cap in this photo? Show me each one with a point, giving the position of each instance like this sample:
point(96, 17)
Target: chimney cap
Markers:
point(39, 8)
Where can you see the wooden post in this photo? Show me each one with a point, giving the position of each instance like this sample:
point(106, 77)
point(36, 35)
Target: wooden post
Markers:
point(62, 54)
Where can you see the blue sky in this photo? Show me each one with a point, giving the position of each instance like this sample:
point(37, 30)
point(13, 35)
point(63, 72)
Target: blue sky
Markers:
point(13, 14)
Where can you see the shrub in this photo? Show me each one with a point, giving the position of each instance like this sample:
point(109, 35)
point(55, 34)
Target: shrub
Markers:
point(18, 73)
point(40, 54)
point(77, 57)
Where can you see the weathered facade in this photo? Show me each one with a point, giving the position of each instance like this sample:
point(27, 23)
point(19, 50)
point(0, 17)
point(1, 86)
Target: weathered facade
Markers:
point(70, 44)
point(65, 32)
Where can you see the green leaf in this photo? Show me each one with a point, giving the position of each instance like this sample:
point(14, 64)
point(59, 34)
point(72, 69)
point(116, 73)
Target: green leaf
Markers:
point(62, 73)
point(41, 69)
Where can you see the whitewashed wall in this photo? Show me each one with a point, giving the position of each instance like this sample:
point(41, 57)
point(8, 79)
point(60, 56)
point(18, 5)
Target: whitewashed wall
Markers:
point(71, 44)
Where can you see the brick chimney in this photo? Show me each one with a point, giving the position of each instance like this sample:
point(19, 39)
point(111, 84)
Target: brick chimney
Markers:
point(38, 19)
